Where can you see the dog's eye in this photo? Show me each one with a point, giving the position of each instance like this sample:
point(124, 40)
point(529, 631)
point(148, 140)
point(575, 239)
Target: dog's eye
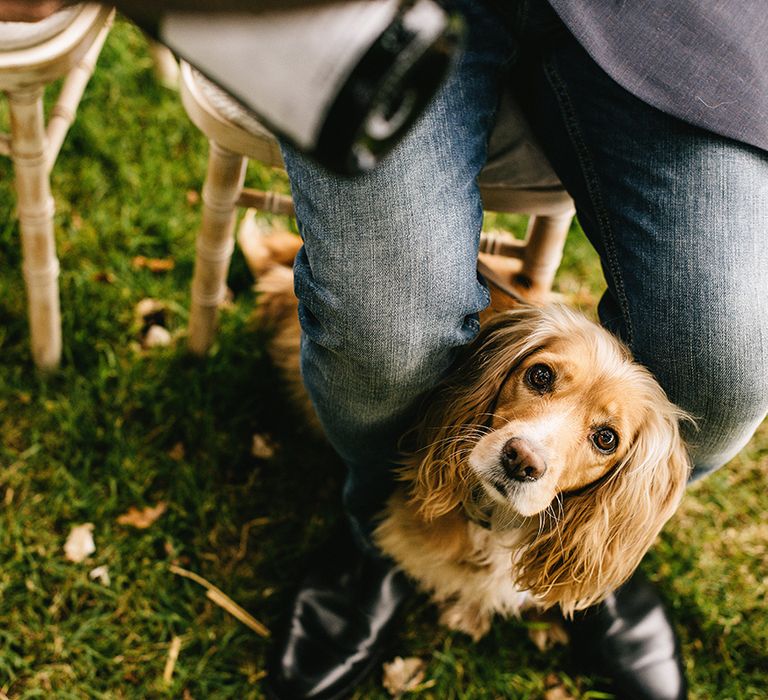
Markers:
point(605, 440)
point(540, 377)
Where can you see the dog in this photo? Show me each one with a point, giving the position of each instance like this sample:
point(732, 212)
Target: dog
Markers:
point(543, 467)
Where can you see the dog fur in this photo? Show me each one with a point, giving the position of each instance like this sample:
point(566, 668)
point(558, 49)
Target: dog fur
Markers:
point(565, 522)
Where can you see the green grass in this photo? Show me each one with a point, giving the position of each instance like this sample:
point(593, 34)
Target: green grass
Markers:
point(87, 443)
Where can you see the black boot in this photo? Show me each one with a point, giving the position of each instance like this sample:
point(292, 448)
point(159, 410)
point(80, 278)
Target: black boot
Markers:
point(630, 639)
point(340, 625)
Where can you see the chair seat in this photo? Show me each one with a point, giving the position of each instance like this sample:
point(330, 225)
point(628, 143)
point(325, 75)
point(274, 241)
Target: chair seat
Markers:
point(517, 176)
point(225, 120)
point(23, 35)
point(515, 158)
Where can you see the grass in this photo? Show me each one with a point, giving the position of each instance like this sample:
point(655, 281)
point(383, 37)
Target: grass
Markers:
point(102, 435)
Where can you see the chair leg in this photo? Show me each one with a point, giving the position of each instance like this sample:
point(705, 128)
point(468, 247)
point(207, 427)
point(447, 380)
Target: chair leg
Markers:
point(214, 244)
point(543, 252)
point(36, 208)
point(165, 65)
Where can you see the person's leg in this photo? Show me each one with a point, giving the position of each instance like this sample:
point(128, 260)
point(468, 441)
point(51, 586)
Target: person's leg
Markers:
point(388, 289)
point(679, 217)
point(386, 279)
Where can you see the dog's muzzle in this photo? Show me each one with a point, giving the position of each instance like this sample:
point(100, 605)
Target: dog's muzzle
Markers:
point(520, 462)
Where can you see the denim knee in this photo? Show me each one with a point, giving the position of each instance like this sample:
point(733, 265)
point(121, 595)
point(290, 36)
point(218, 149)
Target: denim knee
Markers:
point(371, 346)
point(713, 362)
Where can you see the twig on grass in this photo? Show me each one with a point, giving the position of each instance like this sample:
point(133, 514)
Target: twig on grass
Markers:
point(242, 550)
point(170, 663)
point(218, 597)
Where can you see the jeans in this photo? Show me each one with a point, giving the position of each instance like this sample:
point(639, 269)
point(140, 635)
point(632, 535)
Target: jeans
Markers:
point(387, 279)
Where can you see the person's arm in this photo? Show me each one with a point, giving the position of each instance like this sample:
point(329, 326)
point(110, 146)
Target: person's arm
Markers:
point(35, 10)
point(28, 10)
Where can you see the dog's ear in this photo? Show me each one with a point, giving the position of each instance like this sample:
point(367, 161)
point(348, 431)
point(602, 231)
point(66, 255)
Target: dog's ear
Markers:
point(455, 415)
point(604, 531)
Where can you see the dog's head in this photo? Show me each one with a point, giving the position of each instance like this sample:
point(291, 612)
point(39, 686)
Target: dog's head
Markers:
point(548, 423)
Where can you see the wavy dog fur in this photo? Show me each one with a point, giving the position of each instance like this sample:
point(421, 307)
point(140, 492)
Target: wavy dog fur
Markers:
point(590, 540)
point(567, 539)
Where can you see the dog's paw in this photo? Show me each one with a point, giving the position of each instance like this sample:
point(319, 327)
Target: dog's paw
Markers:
point(465, 618)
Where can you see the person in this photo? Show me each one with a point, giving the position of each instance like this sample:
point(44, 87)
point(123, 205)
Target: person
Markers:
point(655, 118)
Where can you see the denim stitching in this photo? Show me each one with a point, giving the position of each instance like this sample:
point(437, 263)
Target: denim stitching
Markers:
point(592, 180)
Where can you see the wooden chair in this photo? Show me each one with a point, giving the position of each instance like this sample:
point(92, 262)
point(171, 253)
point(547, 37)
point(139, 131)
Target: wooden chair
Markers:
point(31, 57)
point(517, 178)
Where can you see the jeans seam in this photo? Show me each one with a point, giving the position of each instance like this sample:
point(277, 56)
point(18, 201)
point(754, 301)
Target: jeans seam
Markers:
point(572, 127)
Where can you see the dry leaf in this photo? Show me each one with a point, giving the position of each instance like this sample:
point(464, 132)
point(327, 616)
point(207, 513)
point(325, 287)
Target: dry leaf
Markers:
point(402, 675)
point(153, 264)
point(157, 337)
point(80, 544)
point(104, 276)
point(142, 519)
point(555, 690)
point(262, 446)
point(193, 197)
point(176, 453)
point(100, 574)
point(149, 308)
point(548, 634)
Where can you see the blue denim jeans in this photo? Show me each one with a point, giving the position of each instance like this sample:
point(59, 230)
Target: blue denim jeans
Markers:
point(387, 279)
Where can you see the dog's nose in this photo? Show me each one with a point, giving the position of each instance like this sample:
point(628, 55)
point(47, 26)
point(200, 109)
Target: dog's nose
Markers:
point(520, 461)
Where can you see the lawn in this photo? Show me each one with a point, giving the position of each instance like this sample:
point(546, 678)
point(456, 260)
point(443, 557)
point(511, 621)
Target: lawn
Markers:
point(120, 426)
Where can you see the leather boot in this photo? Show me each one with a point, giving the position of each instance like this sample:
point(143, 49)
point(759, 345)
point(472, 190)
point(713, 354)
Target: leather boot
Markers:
point(630, 639)
point(341, 622)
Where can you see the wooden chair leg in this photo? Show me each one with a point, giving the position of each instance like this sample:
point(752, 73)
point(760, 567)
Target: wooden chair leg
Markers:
point(165, 65)
point(214, 244)
point(36, 208)
point(543, 252)
point(63, 112)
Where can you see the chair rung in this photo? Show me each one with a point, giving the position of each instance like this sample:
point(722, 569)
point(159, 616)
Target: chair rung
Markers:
point(495, 243)
point(271, 202)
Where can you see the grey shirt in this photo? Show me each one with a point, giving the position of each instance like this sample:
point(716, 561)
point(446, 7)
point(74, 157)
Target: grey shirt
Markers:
point(705, 61)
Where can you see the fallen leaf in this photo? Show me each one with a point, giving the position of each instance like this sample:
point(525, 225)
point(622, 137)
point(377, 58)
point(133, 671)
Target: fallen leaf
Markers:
point(262, 446)
point(555, 690)
point(176, 453)
point(558, 693)
point(402, 675)
point(79, 544)
point(104, 276)
point(157, 337)
point(143, 518)
point(153, 264)
point(100, 574)
point(149, 309)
